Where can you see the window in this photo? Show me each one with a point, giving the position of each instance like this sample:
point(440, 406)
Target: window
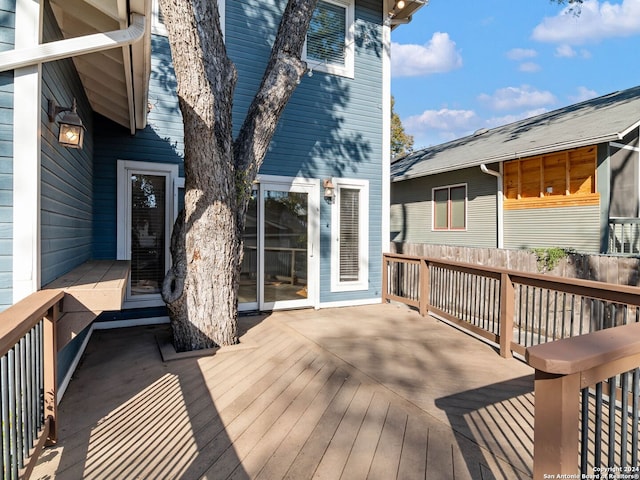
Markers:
point(329, 47)
point(159, 28)
point(350, 235)
point(450, 208)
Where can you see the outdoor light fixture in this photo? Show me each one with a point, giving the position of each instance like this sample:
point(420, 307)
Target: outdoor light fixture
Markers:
point(71, 128)
point(400, 4)
point(328, 188)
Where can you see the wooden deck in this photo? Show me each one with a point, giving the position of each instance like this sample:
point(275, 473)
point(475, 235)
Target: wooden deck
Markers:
point(362, 392)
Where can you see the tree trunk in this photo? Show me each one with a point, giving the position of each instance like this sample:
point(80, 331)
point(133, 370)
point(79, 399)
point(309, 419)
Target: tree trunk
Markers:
point(201, 288)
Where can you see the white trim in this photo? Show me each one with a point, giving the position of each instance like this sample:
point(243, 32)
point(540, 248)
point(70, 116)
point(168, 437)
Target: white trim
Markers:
point(363, 236)
point(624, 147)
point(159, 28)
point(123, 220)
point(312, 187)
point(433, 208)
point(26, 156)
point(386, 137)
point(346, 70)
point(48, 52)
point(351, 303)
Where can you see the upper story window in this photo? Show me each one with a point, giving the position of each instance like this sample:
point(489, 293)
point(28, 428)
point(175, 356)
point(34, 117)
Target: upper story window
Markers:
point(450, 208)
point(330, 47)
point(158, 27)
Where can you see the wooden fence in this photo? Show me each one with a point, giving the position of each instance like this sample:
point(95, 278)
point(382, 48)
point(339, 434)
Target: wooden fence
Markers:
point(621, 270)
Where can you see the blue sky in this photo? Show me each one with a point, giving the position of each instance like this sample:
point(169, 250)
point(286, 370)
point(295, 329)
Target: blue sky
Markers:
point(461, 65)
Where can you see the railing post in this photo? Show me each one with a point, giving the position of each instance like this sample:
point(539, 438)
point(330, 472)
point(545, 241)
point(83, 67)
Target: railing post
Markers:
point(50, 372)
point(425, 281)
point(507, 311)
point(556, 424)
point(385, 279)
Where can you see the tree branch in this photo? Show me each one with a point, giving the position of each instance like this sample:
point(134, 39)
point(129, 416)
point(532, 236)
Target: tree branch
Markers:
point(282, 75)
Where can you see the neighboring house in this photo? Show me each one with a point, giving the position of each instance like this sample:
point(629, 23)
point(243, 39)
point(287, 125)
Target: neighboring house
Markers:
point(118, 195)
point(568, 178)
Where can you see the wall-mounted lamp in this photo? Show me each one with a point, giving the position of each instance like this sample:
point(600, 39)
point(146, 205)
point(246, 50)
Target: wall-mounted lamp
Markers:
point(71, 128)
point(328, 188)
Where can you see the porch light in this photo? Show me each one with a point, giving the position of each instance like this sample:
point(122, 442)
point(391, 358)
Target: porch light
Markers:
point(71, 128)
point(328, 188)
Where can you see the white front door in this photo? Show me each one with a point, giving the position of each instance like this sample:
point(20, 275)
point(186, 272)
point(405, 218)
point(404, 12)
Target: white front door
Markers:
point(145, 218)
point(281, 245)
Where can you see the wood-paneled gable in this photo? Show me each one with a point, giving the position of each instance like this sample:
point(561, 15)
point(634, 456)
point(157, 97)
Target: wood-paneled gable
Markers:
point(562, 179)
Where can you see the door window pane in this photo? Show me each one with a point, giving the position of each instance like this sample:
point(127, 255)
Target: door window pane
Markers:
point(148, 204)
point(285, 245)
point(249, 272)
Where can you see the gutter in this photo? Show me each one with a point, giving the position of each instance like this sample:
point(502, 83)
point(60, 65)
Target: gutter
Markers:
point(500, 201)
point(72, 47)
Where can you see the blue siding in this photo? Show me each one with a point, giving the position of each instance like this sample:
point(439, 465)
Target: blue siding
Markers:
point(7, 34)
point(161, 141)
point(331, 127)
point(66, 174)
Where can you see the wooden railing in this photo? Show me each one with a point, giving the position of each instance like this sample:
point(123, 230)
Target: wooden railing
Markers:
point(624, 236)
point(587, 383)
point(513, 309)
point(587, 390)
point(28, 380)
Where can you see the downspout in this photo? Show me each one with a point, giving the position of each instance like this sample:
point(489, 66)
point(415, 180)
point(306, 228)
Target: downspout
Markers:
point(72, 47)
point(499, 198)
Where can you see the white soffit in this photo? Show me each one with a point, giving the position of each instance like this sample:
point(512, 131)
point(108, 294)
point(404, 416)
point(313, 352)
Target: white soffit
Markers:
point(116, 80)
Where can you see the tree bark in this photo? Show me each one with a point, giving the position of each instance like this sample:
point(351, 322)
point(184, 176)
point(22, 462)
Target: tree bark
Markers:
point(219, 172)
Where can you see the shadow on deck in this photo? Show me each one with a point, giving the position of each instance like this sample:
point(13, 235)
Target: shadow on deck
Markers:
point(360, 392)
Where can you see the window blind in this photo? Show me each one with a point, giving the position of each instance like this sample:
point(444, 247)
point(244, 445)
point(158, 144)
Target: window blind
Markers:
point(327, 33)
point(349, 234)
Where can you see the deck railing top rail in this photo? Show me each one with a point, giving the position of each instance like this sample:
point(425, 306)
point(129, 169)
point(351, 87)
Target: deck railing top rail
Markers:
point(18, 319)
point(578, 354)
point(609, 292)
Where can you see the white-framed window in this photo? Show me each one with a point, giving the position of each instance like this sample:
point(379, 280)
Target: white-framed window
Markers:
point(157, 24)
point(350, 235)
point(330, 39)
point(450, 207)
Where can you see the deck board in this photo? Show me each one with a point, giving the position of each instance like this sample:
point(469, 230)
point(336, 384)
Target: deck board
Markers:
point(356, 393)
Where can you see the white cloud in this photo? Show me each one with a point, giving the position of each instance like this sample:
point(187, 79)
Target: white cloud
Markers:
point(595, 22)
point(439, 55)
point(517, 97)
point(521, 53)
point(567, 51)
point(441, 125)
point(583, 94)
point(529, 67)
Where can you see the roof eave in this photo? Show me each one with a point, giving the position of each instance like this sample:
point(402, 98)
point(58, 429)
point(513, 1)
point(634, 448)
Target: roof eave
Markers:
point(521, 154)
